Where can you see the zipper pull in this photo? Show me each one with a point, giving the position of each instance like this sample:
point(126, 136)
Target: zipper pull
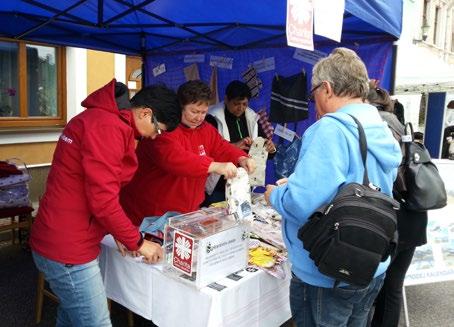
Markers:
point(336, 226)
point(328, 209)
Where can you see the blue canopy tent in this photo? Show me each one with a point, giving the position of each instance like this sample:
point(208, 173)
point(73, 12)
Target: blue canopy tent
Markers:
point(163, 31)
point(146, 27)
point(155, 29)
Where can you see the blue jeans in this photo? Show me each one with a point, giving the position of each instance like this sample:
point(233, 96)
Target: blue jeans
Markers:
point(80, 290)
point(332, 307)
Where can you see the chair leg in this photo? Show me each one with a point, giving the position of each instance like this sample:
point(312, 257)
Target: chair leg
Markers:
point(39, 298)
point(13, 231)
point(130, 319)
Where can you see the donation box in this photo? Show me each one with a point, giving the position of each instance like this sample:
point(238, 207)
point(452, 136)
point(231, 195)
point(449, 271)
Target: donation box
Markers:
point(204, 246)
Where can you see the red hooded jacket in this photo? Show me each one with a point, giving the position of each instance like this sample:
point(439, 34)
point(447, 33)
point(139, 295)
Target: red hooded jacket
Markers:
point(173, 170)
point(95, 156)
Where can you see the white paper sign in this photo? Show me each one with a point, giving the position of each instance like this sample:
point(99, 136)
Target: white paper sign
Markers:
point(328, 18)
point(264, 65)
point(194, 58)
point(221, 254)
point(311, 57)
point(434, 261)
point(221, 62)
point(284, 132)
point(299, 27)
point(158, 70)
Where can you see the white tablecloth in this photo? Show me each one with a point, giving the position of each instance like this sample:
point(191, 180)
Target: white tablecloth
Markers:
point(257, 299)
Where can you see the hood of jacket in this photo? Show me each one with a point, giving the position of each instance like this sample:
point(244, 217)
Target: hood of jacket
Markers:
point(103, 98)
point(378, 138)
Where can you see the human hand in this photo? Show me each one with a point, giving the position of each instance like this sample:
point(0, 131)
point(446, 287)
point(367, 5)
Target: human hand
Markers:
point(248, 164)
point(282, 181)
point(152, 252)
point(227, 169)
point(123, 250)
point(269, 189)
point(270, 147)
point(244, 144)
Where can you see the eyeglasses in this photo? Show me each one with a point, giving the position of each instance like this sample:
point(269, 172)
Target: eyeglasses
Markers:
point(156, 125)
point(311, 94)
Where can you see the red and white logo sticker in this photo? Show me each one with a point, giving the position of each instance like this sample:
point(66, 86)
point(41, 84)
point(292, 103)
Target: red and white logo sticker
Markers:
point(183, 247)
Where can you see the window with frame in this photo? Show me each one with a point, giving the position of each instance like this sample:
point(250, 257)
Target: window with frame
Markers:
point(32, 84)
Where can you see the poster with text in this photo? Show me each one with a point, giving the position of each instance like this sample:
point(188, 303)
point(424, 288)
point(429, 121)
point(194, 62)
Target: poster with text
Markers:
point(299, 26)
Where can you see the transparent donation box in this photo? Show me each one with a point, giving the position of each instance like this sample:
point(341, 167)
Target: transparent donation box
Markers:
point(204, 246)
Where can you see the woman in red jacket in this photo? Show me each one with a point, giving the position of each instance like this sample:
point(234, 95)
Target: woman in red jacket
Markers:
point(173, 169)
point(94, 158)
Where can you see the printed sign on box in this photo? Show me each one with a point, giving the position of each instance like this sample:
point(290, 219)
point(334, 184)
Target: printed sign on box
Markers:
point(183, 250)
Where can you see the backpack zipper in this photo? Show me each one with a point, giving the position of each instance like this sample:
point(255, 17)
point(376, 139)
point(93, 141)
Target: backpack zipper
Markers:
point(361, 223)
point(354, 202)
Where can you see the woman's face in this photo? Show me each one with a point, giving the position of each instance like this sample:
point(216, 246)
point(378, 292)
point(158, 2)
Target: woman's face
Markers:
point(193, 114)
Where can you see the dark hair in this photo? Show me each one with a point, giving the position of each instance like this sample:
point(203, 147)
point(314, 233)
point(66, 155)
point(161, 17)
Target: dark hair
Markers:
point(418, 136)
point(163, 101)
point(193, 92)
point(237, 90)
point(380, 99)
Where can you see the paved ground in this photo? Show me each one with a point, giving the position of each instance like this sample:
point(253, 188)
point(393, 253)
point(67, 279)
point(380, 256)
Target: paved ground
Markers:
point(429, 305)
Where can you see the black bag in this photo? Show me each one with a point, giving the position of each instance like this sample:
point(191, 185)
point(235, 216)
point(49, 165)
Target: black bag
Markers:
point(349, 237)
point(425, 189)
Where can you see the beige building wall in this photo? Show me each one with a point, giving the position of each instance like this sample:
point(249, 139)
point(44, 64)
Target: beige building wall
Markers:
point(100, 69)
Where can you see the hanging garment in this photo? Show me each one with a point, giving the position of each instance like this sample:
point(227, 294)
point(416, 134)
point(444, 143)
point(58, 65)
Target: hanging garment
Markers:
point(289, 99)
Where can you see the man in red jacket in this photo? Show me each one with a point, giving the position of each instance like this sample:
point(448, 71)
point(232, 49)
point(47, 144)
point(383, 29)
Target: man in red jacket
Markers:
point(173, 169)
point(94, 158)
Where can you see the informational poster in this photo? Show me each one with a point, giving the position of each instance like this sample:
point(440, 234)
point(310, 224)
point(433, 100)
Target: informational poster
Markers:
point(194, 58)
point(221, 62)
point(434, 262)
point(328, 18)
point(311, 57)
point(158, 70)
point(264, 65)
point(299, 25)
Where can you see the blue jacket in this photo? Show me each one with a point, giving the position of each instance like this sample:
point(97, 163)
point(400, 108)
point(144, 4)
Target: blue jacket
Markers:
point(329, 158)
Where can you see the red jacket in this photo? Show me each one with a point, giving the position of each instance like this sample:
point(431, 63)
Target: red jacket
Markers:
point(173, 170)
point(95, 156)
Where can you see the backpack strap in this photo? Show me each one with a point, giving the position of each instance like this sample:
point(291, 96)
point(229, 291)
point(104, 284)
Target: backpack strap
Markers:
point(363, 148)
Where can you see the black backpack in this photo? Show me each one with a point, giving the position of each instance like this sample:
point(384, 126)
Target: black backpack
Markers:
point(349, 237)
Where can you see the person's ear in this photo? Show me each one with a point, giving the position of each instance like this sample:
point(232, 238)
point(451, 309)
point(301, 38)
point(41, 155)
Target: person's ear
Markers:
point(146, 112)
point(328, 89)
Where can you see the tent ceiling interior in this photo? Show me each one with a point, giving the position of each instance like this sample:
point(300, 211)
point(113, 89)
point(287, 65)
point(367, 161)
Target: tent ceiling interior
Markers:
point(144, 27)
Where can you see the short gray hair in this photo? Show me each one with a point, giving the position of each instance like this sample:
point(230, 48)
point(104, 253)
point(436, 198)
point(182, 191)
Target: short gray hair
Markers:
point(345, 71)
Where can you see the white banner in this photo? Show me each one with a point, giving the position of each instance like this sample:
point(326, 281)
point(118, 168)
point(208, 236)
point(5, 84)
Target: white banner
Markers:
point(299, 26)
point(328, 18)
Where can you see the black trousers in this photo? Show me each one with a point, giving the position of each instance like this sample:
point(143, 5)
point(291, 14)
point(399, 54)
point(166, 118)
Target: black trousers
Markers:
point(388, 302)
